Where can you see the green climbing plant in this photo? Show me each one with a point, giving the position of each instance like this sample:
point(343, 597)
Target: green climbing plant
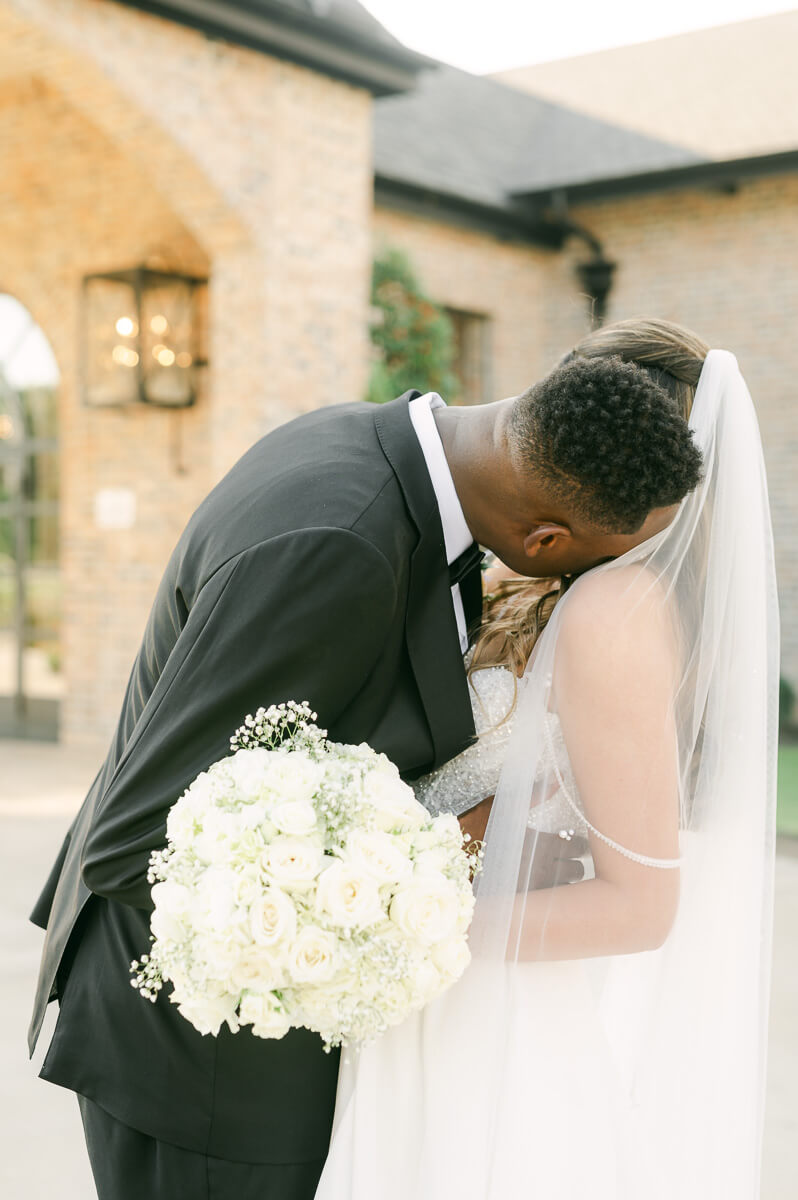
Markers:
point(412, 337)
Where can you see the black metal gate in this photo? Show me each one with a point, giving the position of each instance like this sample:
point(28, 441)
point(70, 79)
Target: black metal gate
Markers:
point(30, 599)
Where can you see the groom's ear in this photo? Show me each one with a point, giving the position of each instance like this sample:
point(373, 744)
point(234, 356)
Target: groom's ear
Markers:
point(546, 537)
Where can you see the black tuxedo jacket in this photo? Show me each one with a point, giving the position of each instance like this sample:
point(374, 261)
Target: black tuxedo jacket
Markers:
point(315, 571)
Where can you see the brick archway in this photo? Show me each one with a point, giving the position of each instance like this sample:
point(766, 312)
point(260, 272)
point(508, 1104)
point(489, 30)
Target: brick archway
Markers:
point(128, 137)
point(44, 49)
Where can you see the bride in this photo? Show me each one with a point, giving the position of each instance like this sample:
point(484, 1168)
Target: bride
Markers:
point(608, 1039)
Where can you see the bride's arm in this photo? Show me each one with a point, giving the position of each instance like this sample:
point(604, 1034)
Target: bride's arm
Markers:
point(614, 683)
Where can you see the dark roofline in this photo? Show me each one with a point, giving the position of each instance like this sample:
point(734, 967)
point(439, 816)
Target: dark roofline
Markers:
point(724, 174)
point(513, 221)
point(537, 216)
point(331, 48)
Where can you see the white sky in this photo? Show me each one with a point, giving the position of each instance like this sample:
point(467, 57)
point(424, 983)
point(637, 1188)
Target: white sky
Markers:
point(25, 354)
point(492, 35)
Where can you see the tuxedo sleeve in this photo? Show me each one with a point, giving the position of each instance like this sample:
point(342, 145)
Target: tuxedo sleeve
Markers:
point(300, 617)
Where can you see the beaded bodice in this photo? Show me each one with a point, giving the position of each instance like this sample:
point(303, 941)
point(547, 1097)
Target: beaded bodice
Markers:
point(473, 775)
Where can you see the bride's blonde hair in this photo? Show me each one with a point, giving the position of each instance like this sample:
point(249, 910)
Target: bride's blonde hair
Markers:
point(518, 610)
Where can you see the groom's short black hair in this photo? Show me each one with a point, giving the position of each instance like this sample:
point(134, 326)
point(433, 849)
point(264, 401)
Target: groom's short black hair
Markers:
point(607, 441)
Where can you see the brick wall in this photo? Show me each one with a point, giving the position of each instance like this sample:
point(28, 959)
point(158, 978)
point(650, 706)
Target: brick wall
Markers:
point(125, 138)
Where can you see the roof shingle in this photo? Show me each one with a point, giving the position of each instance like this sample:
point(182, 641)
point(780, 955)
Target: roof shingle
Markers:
point(467, 136)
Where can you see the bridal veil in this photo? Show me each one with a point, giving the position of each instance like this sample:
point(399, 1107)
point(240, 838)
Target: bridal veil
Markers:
point(633, 1064)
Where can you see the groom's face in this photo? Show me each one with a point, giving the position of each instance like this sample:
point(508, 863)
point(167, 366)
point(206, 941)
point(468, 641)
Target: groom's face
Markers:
point(552, 545)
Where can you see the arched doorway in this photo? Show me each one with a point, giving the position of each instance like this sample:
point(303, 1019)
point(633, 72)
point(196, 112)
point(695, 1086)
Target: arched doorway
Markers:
point(31, 682)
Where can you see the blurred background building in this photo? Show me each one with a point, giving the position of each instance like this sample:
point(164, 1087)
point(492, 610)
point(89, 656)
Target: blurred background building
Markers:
point(192, 196)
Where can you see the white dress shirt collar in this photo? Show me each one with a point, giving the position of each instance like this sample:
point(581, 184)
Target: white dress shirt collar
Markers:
point(457, 536)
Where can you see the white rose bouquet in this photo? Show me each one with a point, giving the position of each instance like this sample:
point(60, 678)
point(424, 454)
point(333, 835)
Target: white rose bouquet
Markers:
point(304, 885)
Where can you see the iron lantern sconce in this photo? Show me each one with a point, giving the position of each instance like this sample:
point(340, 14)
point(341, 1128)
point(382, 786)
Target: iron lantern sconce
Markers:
point(596, 277)
point(141, 331)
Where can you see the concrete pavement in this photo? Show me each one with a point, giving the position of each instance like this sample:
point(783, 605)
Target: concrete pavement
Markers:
point(41, 1145)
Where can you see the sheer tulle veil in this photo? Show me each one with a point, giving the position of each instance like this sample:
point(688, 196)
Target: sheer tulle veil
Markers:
point(614, 1075)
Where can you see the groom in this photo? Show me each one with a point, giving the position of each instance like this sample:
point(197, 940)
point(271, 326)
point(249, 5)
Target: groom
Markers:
point(337, 563)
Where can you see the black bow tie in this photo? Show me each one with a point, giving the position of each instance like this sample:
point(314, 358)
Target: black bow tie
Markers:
point(470, 560)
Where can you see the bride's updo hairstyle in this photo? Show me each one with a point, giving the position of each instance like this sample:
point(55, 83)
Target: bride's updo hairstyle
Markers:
point(672, 355)
point(517, 612)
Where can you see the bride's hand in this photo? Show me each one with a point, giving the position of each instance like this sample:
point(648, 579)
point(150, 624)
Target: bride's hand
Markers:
point(555, 860)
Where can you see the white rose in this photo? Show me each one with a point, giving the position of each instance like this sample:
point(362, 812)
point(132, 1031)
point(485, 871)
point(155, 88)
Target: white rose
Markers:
point(294, 777)
point(426, 839)
point(219, 956)
point(313, 958)
point(212, 842)
point(169, 921)
point(208, 1013)
point(405, 843)
point(395, 804)
point(249, 844)
point(272, 917)
point(183, 988)
point(425, 982)
point(467, 904)
point(250, 770)
point(393, 1000)
point(247, 886)
point(426, 909)
point(183, 820)
point(432, 862)
point(201, 792)
point(376, 854)
point(212, 903)
point(258, 969)
point(252, 814)
point(349, 897)
point(293, 862)
point(447, 827)
point(265, 1014)
point(295, 817)
point(452, 956)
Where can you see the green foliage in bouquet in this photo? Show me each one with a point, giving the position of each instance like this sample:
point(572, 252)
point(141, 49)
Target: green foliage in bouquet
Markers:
point(412, 336)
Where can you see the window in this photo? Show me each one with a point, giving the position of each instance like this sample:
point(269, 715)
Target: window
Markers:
point(472, 356)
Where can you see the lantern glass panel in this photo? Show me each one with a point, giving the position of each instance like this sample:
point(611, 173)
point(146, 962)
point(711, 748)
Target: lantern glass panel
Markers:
point(168, 342)
point(111, 332)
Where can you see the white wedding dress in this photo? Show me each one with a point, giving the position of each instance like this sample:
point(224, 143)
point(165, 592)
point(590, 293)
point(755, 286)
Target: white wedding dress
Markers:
point(473, 775)
point(559, 1139)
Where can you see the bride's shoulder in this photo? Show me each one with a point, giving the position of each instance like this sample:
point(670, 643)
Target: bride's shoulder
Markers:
point(616, 601)
point(632, 582)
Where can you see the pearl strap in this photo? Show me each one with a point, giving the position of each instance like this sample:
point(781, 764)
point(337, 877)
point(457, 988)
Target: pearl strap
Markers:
point(645, 860)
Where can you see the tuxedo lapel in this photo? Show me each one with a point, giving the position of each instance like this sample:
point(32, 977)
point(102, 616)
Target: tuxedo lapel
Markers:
point(431, 631)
